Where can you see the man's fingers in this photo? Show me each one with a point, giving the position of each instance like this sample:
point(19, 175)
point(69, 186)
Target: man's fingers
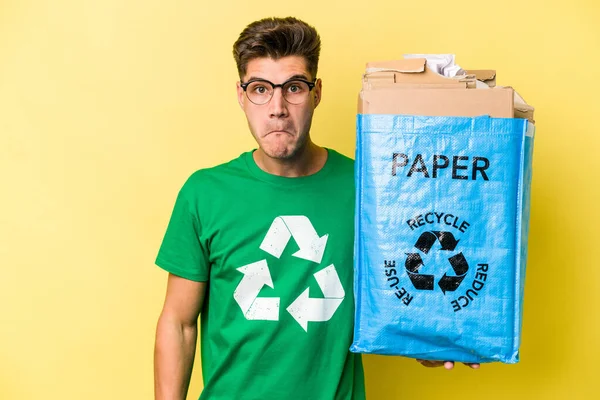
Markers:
point(429, 363)
point(435, 363)
point(446, 364)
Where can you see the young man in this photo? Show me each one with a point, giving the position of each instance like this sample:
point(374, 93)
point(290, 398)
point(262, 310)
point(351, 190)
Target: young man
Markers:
point(263, 246)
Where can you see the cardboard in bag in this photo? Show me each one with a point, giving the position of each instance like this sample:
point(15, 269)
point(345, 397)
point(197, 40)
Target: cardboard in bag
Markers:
point(409, 87)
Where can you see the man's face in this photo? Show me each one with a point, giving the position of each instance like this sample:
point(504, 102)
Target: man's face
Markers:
point(281, 129)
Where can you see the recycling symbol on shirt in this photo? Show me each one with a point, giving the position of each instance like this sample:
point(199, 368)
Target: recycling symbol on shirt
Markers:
point(257, 275)
point(414, 262)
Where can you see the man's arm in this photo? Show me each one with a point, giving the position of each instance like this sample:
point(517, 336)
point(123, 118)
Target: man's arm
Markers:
point(176, 335)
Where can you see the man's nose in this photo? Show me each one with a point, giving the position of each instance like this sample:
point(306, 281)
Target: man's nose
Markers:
point(278, 104)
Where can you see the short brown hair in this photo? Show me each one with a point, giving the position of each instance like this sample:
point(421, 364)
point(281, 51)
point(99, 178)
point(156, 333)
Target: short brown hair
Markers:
point(276, 38)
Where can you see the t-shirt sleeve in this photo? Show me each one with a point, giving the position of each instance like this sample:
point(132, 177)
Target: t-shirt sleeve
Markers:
point(184, 252)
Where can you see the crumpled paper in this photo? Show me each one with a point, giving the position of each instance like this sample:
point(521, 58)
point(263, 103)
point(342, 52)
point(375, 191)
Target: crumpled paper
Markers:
point(443, 64)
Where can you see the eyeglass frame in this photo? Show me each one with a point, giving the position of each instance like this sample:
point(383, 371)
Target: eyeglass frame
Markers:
point(311, 86)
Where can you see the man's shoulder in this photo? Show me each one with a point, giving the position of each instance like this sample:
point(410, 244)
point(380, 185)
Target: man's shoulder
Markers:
point(341, 158)
point(217, 173)
point(340, 162)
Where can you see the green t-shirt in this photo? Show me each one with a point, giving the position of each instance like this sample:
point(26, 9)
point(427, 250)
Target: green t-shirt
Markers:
point(277, 253)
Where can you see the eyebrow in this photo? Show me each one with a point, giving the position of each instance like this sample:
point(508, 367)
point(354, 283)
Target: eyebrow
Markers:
point(297, 76)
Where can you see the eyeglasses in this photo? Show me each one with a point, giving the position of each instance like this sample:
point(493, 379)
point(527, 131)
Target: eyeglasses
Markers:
point(260, 91)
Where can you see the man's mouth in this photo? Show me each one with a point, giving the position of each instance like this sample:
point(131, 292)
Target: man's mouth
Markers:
point(277, 131)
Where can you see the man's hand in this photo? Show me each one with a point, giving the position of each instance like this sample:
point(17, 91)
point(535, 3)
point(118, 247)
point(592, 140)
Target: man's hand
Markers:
point(447, 364)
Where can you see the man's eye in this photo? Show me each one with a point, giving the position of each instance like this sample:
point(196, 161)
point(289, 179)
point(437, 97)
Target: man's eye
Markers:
point(260, 89)
point(295, 88)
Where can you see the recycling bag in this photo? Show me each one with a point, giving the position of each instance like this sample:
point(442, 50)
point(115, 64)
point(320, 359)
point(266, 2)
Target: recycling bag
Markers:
point(442, 211)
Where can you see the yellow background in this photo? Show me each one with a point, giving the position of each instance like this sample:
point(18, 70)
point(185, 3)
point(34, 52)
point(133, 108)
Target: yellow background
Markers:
point(107, 106)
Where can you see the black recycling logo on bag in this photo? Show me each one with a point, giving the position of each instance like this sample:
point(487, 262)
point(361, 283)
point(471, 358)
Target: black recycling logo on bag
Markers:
point(414, 262)
point(437, 249)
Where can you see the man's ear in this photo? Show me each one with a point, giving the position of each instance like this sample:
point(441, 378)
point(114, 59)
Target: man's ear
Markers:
point(240, 94)
point(317, 92)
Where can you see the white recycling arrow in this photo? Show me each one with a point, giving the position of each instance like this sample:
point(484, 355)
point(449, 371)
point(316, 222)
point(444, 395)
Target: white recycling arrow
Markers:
point(300, 228)
point(256, 275)
point(306, 308)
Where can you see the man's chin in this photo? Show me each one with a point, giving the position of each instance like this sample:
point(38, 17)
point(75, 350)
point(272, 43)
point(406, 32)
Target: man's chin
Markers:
point(280, 152)
point(284, 154)
point(276, 146)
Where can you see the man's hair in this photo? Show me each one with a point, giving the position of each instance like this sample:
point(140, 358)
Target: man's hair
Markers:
point(276, 38)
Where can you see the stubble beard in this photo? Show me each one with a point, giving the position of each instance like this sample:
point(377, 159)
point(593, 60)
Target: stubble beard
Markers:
point(284, 152)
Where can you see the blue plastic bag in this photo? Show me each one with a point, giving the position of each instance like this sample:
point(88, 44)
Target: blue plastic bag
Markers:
point(442, 215)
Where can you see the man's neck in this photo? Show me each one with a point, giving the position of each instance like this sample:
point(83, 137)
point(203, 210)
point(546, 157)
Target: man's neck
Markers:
point(306, 162)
